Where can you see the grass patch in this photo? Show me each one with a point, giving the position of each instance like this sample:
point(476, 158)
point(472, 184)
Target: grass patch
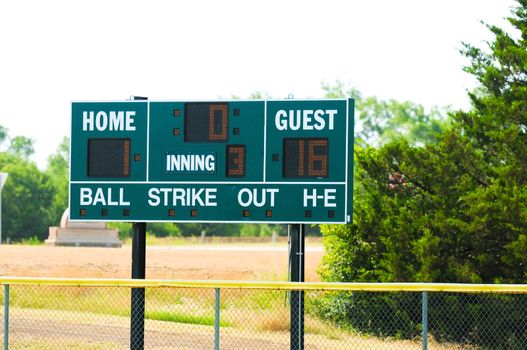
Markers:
point(107, 301)
point(46, 344)
point(33, 240)
point(314, 325)
point(176, 317)
point(274, 321)
point(260, 310)
point(255, 300)
point(185, 305)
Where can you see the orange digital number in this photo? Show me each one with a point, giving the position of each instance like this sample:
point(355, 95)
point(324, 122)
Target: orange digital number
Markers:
point(301, 157)
point(126, 158)
point(235, 161)
point(322, 159)
point(213, 134)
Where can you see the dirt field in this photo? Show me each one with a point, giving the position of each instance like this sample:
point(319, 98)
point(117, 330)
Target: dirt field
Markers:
point(232, 262)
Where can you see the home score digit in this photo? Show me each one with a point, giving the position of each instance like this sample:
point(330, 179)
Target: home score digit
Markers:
point(273, 161)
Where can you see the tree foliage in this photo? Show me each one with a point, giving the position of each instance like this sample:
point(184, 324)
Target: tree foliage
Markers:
point(22, 146)
point(26, 199)
point(3, 134)
point(58, 172)
point(32, 200)
point(451, 210)
point(383, 121)
point(456, 209)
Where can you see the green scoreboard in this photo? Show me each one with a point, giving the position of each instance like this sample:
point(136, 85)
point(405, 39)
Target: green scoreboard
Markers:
point(269, 161)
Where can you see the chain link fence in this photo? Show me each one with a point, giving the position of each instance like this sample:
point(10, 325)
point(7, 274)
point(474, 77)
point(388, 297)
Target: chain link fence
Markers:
point(82, 314)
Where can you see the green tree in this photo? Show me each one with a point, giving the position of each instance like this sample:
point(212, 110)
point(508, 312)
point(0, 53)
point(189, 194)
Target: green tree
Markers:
point(383, 121)
point(22, 146)
point(3, 134)
point(58, 172)
point(453, 210)
point(26, 199)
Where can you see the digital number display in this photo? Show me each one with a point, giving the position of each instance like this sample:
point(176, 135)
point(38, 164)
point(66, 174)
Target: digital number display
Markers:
point(305, 158)
point(236, 161)
point(206, 122)
point(108, 158)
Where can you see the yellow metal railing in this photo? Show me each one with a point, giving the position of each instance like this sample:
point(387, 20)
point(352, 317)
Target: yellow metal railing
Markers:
point(275, 285)
point(251, 307)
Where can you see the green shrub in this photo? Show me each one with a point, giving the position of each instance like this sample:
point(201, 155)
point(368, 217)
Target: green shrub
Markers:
point(396, 315)
point(490, 321)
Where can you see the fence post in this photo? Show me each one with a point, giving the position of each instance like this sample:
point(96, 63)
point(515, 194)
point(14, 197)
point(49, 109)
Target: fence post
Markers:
point(297, 275)
point(217, 320)
point(137, 315)
point(6, 316)
point(425, 320)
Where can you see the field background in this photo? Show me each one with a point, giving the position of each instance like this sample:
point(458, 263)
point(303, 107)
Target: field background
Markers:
point(176, 318)
point(181, 259)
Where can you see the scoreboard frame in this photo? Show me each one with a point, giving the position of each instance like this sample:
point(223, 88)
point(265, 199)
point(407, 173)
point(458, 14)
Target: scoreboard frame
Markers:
point(136, 179)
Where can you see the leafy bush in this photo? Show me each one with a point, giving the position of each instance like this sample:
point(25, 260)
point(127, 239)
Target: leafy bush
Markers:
point(485, 320)
point(395, 315)
point(491, 321)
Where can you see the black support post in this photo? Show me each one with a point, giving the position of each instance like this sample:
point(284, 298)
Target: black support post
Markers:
point(297, 249)
point(137, 325)
point(137, 319)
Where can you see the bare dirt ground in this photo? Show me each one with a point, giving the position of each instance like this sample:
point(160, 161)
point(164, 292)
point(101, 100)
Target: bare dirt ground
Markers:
point(114, 333)
point(206, 262)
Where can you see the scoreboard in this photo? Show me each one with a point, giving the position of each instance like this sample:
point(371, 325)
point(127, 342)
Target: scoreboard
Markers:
point(272, 161)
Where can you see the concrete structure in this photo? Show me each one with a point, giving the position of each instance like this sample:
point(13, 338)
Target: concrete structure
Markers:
point(82, 234)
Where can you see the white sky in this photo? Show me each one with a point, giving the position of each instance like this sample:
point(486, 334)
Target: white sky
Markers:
point(53, 52)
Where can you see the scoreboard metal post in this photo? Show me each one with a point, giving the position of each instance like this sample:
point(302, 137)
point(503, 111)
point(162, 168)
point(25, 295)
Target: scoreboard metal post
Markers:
point(266, 161)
